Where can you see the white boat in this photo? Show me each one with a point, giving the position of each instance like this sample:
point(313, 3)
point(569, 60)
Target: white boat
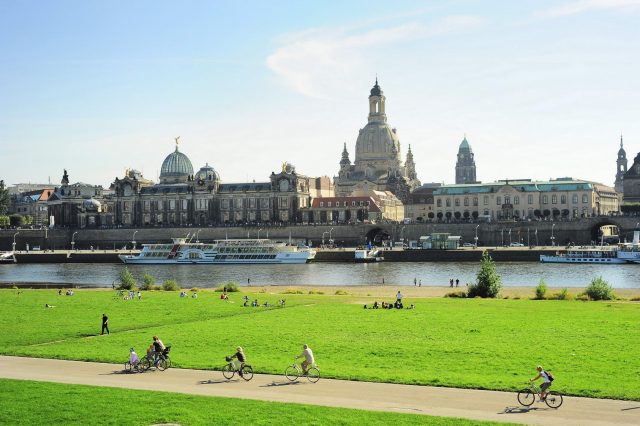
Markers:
point(7, 257)
point(182, 251)
point(621, 253)
point(367, 256)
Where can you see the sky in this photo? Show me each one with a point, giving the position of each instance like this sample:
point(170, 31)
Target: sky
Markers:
point(542, 89)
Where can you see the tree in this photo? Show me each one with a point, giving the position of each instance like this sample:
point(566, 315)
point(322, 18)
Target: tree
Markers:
point(16, 220)
point(127, 281)
point(4, 199)
point(148, 282)
point(28, 220)
point(4, 221)
point(488, 281)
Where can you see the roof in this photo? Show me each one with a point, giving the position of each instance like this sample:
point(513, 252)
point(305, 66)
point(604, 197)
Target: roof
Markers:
point(522, 186)
point(244, 187)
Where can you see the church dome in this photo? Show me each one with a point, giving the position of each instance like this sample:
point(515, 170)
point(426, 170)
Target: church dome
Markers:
point(377, 141)
point(207, 173)
point(464, 145)
point(376, 90)
point(176, 165)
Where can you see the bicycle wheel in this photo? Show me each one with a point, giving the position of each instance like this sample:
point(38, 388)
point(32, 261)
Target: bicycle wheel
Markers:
point(128, 367)
point(553, 400)
point(162, 364)
point(168, 360)
point(246, 372)
point(313, 374)
point(228, 371)
point(145, 363)
point(292, 373)
point(526, 397)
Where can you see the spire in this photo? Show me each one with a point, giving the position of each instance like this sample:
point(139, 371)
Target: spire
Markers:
point(345, 156)
point(621, 141)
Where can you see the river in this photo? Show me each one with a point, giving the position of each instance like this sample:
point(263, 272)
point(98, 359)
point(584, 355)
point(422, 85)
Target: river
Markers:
point(513, 274)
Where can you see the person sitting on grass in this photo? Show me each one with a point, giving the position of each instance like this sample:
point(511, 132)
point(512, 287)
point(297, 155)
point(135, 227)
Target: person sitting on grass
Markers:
point(545, 384)
point(375, 305)
point(255, 304)
point(241, 359)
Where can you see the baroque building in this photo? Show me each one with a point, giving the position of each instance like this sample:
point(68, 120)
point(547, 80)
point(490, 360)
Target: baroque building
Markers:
point(378, 164)
point(184, 198)
point(78, 205)
point(466, 164)
point(631, 185)
point(621, 168)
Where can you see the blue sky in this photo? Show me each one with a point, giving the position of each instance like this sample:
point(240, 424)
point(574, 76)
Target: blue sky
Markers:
point(541, 88)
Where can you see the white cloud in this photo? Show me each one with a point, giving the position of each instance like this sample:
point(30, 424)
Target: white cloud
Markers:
point(320, 62)
point(584, 6)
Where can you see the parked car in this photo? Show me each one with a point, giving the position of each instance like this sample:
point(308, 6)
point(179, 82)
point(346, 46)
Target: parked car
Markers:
point(467, 245)
point(514, 244)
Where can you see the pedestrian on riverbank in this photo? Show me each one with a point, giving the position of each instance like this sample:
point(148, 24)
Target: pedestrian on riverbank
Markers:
point(415, 282)
point(457, 282)
point(451, 283)
point(105, 324)
point(249, 281)
point(420, 283)
point(382, 280)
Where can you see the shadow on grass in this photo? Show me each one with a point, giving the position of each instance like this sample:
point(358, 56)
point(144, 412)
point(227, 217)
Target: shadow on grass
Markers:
point(630, 408)
point(287, 383)
point(522, 410)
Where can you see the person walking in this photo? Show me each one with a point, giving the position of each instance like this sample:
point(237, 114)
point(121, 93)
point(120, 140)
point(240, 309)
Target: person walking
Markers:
point(451, 283)
point(249, 281)
point(457, 282)
point(105, 324)
point(415, 281)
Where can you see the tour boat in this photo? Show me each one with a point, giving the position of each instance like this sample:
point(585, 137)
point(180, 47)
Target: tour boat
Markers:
point(183, 251)
point(368, 255)
point(621, 253)
point(7, 257)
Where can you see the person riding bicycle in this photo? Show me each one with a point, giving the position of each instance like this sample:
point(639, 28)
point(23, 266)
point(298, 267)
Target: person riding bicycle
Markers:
point(307, 354)
point(546, 381)
point(241, 360)
point(158, 349)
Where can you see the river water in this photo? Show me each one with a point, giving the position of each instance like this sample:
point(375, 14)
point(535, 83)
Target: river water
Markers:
point(394, 273)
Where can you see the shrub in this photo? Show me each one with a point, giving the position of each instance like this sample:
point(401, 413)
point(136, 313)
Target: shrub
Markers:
point(148, 281)
point(488, 281)
point(292, 291)
point(635, 299)
point(127, 281)
point(316, 292)
point(562, 295)
point(170, 285)
point(599, 289)
point(230, 287)
point(194, 289)
point(340, 293)
point(156, 288)
point(456, 294)
point(541, 290)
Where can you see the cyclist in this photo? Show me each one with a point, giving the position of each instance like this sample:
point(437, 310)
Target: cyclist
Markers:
point(241, 359)
point(307, 354)
point(158, 348)
point(546, 382)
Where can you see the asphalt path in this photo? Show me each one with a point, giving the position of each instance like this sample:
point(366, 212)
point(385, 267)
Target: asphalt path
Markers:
point(437, 401)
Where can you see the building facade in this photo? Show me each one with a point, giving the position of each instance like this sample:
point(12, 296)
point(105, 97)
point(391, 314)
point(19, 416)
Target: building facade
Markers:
point(421, 205)
point(631, 183)
point(185, 198)
point(33, 203)
point(465, 164)
point(378, 163)
point(372, 206)
point(524, 199)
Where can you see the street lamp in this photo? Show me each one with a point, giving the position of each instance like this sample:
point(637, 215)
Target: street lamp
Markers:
point(502, 237)
point(14, 241)
point(73, 241)
point(133, 239)
point(402, 234)
point(552, 237)
point(323, 234)
point(197, 234)
point(330, 240)
point(509, 236)
point(476, 237)
point(259, 232)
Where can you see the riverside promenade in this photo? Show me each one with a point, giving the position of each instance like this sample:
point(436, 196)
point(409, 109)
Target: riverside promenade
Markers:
point(439, 401)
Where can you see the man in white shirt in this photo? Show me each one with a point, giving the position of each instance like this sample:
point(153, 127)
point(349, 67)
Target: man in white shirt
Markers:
point(546, 381)
point(307, 354)
point(399, 296)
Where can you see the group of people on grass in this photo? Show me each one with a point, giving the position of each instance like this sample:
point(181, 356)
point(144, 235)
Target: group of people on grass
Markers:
point(394, 305)
point(254, 303)
point(184, 294)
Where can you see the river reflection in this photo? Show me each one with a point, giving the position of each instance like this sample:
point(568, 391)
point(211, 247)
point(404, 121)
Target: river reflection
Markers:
point(394, 273)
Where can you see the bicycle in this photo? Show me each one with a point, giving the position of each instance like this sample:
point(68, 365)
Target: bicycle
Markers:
point(527, 396)
point(245, 370)
point(160, 361)
point(134, 368)
point(294, 371)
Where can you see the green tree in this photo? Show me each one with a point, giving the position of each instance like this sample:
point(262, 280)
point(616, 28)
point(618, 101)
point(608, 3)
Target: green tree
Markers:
point(28, 220)
point(16, 220)
point(170, 285)
point(599, 289)
point(127, 281)
point(4, 198)
point(4, 221)
point(148, 281)
point(488, 282)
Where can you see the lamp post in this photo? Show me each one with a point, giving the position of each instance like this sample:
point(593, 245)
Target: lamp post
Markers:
point(528, 240)
point(323, 234)
point(133, 239)
point(330, 240)
point(475, 245)
point(259, 232)
point(502, 237)
point(73, 240)
point(402, 234)
point(552, 237)
point(14, 241)
point(197, 234)
point(509, 230)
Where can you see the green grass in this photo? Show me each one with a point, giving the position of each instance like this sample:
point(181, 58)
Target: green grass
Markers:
point(470, 343)
point(81, 405)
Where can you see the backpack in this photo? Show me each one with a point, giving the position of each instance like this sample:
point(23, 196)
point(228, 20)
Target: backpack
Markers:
point(550, 376)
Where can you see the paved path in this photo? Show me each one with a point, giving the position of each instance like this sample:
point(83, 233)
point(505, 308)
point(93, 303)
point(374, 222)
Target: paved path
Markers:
point(449, 402)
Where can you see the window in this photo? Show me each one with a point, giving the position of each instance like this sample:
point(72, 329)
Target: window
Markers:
point(545, 199)
point(486, 200)
point(147, 206)
point(225, 204)
point(185, 204)
point(353, 204)
point(439, 202)
point(284, 203)
point(530, 199)
point(507, 199)
point(475, 201)
point(563, 199)
point(237, 203)
point(457, 202)
point(575, 199)
point(585, 198)
point(516, 200)
point(554, 199)
point(328, 203)
point(466, 201)
point(172, 204)
point(252, 203)
point(498, 200)
point(448, 202)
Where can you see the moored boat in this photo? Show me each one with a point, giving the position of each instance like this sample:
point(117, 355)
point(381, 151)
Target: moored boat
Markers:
point(249, 251)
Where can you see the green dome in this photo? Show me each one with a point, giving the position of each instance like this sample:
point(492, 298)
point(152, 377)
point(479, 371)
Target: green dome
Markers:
point(176, 164)
point(465, 145)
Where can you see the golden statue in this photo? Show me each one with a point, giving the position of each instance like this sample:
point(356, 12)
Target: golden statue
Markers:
point(177, 141)
point(284, 166)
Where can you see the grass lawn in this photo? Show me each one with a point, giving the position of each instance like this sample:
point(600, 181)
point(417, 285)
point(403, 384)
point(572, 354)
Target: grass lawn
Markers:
point(591, 347)
point(81, 405)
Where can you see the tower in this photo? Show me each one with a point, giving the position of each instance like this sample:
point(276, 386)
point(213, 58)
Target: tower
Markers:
point(465, 165)
point(621, 166)
point(410, 166)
